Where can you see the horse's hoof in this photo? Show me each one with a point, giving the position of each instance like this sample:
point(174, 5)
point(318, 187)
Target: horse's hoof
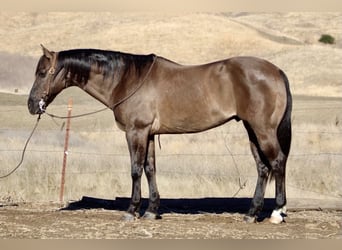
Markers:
point(276, 220)
point(151, 216)
point(129, 217)
point(276, 217)
point(249, 219)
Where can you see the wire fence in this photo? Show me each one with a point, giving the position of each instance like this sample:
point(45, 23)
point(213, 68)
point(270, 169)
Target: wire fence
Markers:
point(321, 161)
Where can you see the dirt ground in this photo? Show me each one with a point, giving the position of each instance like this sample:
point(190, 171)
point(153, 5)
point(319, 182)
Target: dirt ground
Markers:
point(47, 221)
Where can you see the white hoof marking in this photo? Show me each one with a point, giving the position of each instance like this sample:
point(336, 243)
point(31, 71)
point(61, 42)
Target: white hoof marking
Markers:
point(277, 216)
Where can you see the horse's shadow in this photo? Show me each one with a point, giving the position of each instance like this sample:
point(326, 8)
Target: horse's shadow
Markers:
point(182, 206)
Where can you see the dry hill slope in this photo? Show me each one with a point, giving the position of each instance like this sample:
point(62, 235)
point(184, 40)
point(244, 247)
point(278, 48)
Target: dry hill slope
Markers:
point(287, 39)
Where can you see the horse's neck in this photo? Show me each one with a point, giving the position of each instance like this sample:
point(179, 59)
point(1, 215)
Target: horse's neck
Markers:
point(107, 90)
point(112, 90)
point(100, 88)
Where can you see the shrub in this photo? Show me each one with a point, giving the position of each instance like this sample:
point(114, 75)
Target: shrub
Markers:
point(327, 39)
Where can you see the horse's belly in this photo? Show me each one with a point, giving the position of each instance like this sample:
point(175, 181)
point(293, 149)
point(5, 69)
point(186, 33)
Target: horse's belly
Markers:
point(192, 122)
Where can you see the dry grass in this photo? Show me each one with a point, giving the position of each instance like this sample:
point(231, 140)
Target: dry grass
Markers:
point(196, 165)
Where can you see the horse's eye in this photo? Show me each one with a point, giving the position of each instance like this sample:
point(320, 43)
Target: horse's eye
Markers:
point(42, 74)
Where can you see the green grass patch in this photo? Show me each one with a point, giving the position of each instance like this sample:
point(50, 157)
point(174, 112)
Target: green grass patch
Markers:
point(327, 39)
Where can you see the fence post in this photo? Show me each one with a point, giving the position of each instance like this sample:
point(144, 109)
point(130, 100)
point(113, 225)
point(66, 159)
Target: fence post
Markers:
point(65, 154)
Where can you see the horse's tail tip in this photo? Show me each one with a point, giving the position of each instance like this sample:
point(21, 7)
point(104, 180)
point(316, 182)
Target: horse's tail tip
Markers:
point(284, 129)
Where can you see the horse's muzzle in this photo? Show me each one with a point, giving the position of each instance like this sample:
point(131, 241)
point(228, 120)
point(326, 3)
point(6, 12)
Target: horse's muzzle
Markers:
point(36, 107)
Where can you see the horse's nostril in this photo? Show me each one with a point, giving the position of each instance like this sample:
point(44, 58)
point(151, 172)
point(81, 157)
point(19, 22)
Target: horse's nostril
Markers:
point(30, 105)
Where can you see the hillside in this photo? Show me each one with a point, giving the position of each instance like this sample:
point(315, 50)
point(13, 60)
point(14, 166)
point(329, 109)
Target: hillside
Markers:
point(290, 40)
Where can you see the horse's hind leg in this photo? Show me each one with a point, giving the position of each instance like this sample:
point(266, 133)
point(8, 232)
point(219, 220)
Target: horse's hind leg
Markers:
point(270, 162)
point(263, 174)
point(278, 171)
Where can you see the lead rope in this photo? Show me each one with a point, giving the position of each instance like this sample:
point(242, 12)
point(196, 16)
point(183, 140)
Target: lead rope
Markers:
point(33, 130)
point(76, 116)
point(24, 150)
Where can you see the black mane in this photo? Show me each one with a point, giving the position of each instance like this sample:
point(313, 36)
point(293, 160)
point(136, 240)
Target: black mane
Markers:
point(80, 61)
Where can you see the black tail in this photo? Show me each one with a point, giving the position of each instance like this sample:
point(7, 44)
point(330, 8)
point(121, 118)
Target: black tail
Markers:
point(284, 129)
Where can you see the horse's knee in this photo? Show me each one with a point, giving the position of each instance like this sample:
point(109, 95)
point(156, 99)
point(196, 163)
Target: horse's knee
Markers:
point(149, 171)
point(278, 165)
point(136, 171)
point(263, 170)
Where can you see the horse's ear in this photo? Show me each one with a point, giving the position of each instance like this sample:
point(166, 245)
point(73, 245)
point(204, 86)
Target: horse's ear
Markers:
point(46, 52)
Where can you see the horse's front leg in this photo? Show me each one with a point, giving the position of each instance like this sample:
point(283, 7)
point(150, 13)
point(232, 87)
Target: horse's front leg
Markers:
point(150, 171)
point(137, 145)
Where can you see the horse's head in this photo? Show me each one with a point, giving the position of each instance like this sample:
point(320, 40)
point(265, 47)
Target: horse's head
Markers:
point(48, 83)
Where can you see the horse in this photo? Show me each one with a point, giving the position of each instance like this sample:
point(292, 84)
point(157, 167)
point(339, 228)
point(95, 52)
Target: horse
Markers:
point(151, 95)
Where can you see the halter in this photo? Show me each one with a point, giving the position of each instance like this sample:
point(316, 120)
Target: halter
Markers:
point(51, 73)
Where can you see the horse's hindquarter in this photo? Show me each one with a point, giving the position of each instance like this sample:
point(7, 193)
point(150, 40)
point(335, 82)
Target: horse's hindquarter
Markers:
point(259, 90)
